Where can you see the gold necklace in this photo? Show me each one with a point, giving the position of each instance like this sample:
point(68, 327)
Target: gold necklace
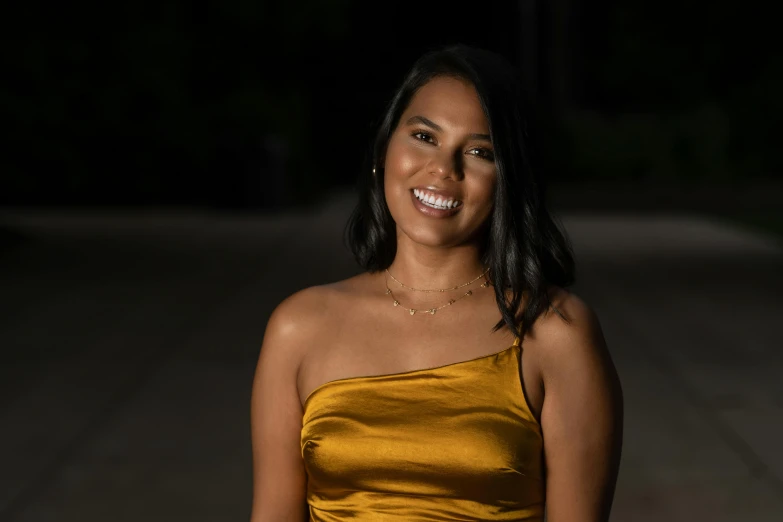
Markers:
point(482, 274)
point(432, 311)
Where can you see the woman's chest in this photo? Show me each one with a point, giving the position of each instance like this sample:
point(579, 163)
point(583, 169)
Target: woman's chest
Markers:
point(359, 348)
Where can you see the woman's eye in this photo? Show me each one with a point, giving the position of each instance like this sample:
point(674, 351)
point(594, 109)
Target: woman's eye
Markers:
point(482, 153)
point(423, 136)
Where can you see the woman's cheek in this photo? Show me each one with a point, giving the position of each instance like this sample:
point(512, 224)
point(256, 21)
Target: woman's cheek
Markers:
point(483, 188)
point(403, 160)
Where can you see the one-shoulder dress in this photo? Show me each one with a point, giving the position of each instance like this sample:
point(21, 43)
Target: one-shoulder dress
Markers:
point(455, 442)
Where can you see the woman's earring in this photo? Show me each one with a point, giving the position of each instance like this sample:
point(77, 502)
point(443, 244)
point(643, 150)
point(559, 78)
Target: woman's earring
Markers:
point(373, 171)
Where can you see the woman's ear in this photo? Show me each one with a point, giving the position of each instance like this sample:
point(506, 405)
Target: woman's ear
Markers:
point(377, 167)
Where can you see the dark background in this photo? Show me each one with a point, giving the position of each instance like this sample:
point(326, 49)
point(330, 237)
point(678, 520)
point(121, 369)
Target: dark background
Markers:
point(248, 104)
point(171, 171)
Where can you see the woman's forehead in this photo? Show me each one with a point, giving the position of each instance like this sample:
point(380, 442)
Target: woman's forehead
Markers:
point(452, 100)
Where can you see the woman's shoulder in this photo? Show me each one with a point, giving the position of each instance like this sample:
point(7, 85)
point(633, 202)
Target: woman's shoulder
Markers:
point(303, 315)
point(316, 300)
point(568, 333)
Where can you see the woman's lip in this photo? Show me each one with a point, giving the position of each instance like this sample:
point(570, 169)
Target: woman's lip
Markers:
point(433, 212)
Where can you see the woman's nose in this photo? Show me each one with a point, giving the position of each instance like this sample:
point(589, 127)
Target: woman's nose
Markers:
point(444, 165)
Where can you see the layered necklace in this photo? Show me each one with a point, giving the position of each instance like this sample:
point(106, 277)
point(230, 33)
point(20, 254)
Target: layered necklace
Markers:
point(431, 311)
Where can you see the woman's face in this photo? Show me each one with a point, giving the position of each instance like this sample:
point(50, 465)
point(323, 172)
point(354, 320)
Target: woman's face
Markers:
point(440, 171)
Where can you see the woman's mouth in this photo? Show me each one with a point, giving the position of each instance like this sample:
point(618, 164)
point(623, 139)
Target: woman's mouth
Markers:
point(434, 204)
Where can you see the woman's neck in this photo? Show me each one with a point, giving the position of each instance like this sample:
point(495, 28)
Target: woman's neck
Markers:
point(424, 267)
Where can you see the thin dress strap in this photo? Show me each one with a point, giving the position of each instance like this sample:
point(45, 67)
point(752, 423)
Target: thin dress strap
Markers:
point(516, 338)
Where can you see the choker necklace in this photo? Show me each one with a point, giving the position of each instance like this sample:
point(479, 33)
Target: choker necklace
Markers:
point(432, 311)
point(482, 274)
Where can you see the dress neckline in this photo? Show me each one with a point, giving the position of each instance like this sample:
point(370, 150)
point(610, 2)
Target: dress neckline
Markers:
point(400, 374)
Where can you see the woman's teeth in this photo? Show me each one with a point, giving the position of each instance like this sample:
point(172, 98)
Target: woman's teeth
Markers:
point(434, 201)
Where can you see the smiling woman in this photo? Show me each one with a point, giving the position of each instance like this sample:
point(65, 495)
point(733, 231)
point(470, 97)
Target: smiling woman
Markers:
point(442, 151)
point(456, 378)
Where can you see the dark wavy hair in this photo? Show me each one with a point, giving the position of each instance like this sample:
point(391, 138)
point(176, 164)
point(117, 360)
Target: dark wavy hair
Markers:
point(525, 248)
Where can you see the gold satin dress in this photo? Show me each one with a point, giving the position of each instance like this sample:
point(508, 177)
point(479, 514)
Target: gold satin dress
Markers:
point(456, 442)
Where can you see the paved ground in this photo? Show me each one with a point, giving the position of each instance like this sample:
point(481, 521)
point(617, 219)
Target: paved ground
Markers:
point(129, 343)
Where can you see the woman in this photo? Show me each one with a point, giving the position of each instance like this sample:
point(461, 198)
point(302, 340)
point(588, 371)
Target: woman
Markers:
point(456, 378)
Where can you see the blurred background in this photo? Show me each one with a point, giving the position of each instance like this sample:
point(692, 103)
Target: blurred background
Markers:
point(172, 170)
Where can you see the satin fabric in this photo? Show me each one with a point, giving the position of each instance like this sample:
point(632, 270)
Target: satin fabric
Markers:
point(456, 442)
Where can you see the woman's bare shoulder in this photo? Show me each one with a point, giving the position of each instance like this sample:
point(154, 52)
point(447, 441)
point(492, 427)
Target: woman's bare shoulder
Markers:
point(568, 334)
point(302, 316)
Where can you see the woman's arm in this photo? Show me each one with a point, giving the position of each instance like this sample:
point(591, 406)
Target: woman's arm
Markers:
point(582, 414)
point(279, 477)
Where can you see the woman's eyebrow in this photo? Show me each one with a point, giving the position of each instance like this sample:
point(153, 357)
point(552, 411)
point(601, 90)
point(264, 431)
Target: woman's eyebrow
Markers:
point(431, 124)
point(424, 121)
point(484, 137)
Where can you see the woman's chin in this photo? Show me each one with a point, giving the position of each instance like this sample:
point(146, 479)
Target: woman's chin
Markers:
point(426, 237)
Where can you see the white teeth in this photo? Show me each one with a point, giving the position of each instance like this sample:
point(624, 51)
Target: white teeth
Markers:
point(431, 201)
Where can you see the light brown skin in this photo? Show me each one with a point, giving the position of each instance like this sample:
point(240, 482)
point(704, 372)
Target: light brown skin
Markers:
point(350, 328)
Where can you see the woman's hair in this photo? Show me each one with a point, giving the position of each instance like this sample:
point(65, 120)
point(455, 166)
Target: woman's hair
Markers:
point(525, 248)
